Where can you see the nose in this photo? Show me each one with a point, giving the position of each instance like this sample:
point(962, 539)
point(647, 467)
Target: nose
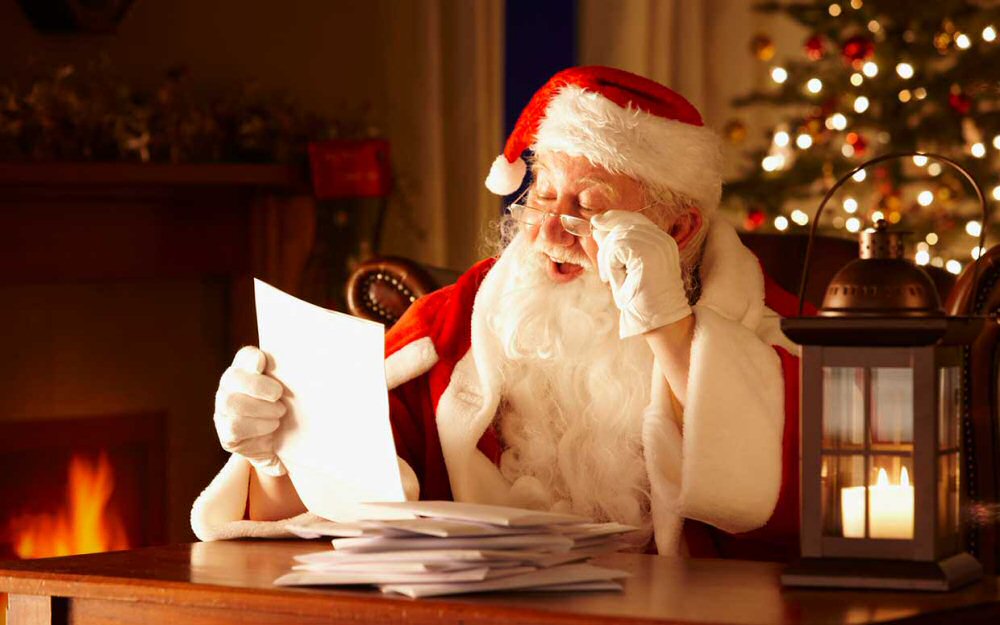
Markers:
point(553, 232)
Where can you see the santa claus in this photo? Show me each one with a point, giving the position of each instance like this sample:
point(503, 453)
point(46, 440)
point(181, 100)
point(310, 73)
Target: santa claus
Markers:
point(620, 358)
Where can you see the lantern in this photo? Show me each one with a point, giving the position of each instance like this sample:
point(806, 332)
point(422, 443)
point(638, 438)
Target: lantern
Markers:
point(882, 501)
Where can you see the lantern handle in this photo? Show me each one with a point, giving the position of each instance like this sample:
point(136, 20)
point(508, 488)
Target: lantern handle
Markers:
point(829, 194)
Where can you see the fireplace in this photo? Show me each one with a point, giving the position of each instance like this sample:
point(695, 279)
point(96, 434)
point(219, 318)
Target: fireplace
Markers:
point(125, 291)
point(82, 485)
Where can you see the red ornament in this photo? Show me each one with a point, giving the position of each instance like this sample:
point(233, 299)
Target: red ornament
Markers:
point(754, 219)
point(944, 223)
point(858, 48)
point(826, 108)
point(960, 103)
point(815, 47)
point(856, 141)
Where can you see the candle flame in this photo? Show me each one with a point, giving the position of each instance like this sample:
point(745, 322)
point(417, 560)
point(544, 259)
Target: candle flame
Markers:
point(883, 478)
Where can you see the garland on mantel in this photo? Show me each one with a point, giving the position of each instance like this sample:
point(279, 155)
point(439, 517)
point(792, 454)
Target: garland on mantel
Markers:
point(91, 115)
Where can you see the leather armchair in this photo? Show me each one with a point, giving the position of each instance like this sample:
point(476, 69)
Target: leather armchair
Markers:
point(981, 419)
point(381, 289)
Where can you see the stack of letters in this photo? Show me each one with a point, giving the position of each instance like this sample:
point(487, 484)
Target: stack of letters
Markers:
point(429, 548)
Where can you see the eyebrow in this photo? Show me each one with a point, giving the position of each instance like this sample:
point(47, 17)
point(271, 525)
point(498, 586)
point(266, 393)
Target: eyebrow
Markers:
point(609, 189)
point(536, 166)
point(604, 185)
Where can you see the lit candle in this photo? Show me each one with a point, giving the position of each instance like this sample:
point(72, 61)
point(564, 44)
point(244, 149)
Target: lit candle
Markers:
point(891, 513)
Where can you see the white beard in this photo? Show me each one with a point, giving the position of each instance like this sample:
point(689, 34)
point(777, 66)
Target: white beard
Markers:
point(573, 396)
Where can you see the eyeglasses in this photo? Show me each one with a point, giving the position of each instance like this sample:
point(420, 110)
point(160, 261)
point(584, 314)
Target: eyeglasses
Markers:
point(531, 216)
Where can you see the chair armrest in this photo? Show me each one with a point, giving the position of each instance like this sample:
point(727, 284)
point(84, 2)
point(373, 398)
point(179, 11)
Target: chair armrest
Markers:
point(981, 434)
point(381, 289)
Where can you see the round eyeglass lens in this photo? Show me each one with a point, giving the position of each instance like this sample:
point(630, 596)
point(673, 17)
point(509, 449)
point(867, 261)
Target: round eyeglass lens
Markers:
point(576, 226)
point(526, 214)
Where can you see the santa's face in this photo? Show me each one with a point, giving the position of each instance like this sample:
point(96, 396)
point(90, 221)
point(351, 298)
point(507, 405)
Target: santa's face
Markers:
point(571, 185)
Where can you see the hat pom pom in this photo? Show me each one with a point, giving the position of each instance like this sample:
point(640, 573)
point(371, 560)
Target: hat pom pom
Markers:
point(505, 177)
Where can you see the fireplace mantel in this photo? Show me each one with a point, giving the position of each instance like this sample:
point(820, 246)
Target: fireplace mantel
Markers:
point(286, 178)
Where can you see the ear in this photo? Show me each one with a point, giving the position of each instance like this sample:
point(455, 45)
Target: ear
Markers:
point(686, 227)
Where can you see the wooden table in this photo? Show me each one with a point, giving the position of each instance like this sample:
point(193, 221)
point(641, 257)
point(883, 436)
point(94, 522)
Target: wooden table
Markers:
point(225, 582)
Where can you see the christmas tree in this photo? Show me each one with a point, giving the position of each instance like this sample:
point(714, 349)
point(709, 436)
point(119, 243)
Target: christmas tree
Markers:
point(874, 77)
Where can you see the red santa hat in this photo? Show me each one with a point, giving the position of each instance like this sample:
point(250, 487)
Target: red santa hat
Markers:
point(622, 122)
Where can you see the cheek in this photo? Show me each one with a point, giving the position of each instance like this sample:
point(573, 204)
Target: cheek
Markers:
point(530, 233)
point(589, 246)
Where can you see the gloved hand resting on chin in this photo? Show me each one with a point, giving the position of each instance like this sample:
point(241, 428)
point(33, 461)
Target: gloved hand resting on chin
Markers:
point(248, 411)
point(642, 264)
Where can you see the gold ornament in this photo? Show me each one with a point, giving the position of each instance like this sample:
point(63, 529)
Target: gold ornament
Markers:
point(762, 47)
point(828, 178)
point(942, 41)
point(735, 131)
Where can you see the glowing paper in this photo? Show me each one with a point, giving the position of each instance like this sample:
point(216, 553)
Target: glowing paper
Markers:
point(335, 439)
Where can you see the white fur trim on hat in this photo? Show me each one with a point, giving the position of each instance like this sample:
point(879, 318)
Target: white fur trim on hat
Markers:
point(673, 155)
point(505, 177)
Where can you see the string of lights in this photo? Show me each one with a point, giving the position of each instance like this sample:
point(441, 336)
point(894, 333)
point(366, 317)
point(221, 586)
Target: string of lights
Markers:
point(877, 76)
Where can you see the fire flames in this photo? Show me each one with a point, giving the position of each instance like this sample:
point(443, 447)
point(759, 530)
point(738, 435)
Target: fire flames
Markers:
point(87, 524)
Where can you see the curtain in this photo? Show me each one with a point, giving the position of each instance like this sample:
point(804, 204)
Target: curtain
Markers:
point(443, 76)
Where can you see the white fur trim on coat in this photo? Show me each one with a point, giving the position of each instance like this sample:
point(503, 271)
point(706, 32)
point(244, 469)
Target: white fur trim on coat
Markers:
point(732, 283)
point(217, 514)
point(669, 154)
point(771, 333)
point(469, 403)
point(409, 362)
point(662, 446)
point(733, 426)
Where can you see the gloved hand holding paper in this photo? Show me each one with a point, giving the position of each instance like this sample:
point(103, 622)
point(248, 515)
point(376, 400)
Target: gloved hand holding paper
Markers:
point(335, 441)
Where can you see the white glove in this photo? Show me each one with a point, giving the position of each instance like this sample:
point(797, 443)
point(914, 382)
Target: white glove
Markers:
point(642, 264)
point(248, 411)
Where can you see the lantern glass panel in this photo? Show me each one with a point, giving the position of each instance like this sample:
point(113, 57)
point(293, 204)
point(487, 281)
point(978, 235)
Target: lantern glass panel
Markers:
point(892, 409)
point(843, 485)
point(949, 407)
point(947, 494)
point(843, 407)
point(890, 497)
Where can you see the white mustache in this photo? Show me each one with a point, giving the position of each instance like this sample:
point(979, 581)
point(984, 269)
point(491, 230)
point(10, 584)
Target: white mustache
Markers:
point(564, 257)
